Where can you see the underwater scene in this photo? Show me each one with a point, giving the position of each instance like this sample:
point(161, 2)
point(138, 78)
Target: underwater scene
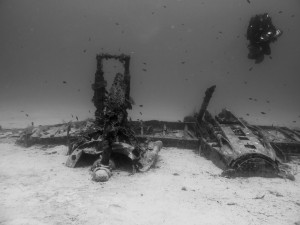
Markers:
point(150, 112)
point(177, 49)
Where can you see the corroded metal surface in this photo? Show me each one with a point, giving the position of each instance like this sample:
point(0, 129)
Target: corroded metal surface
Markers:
point(239, 148)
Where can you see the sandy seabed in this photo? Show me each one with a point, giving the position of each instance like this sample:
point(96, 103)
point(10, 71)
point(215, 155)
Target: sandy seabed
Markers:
point(36, 188)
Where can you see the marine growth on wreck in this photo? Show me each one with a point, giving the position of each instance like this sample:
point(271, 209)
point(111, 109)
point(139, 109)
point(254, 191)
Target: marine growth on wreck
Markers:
point(234, 145)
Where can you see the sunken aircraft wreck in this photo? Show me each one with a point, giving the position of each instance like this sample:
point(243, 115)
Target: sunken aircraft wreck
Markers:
point(237, 147)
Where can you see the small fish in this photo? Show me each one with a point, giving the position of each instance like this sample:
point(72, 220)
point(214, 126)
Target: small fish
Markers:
point(280, 12)
point(141, 113)
point(76, 118)
point(251, 68)
point(117, 24)
point(144, 63)
point(64, 82)
point(294, 121)
point(220, 32)
point(245, 82)
point(84, 51)
point(263, 113)
point(248, 114)
point(250, 98)
point(72, 116)
point(268, 101)
point(144, 70)
point(22, 111)
point(89, 111)
point(27, 115)
point(255, 99)
point(165, 6)
point(183, 62)
point(248, 1)
point(141, 105)
point(293, 16)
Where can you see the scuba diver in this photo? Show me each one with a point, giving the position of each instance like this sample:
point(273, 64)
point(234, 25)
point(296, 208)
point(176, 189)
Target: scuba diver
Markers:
point(261, 32)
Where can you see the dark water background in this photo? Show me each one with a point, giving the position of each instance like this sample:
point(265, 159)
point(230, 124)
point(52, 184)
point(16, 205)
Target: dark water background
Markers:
point(185, 46)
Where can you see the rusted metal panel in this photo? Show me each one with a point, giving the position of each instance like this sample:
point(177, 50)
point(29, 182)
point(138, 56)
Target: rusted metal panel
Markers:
point(234, 145)
point(243, 141)
point(172, 134)
point(150, 157)
point(208, 94)
point(74, 158)
point(284, 141)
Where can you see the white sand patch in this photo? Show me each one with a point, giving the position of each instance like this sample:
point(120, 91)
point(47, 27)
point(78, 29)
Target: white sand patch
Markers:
point(37, 188)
